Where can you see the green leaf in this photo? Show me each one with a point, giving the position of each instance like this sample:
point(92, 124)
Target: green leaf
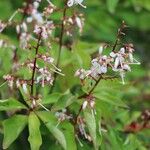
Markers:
point(113, 100)
point(81, 56)
point(11, 104)
point(52, 98)
point(68, 131)
point(111, 5)
point(91, 123)
point(46, 117)
point(35, 138)
point(109, 94)
point(51, 123)
point(64, 101)
point(58, 134)
point(12, 128)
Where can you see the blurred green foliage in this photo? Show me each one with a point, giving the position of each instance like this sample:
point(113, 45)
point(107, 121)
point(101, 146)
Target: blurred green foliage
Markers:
point(117, 106)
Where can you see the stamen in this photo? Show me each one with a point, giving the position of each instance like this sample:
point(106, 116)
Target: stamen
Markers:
point(3, 84)
point(57, 72)
point(13, 15)
point(79, 140)
point(58, 124)
point(43, 106)
point(82, 5)
point(50, 2)
point(56, 67)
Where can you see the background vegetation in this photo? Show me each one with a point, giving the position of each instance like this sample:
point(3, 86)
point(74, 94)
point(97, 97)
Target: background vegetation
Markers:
point(122, 105)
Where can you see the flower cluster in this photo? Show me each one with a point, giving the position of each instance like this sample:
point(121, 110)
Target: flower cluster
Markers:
point(34, 14)
point(74, 21)
point(89, 101)
point(119, 61)
point(45, 74)
point(45, 30)
point(36, 26)
point(14, 81)
point(49, 9)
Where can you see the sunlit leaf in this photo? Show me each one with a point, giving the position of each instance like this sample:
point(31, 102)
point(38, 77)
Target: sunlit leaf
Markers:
point(12, 128)
point(52, 98)
point(11, 104)
point(52, 127)
point(34, 132)
point(69, 133)
point(64, 101)
point(91, 123)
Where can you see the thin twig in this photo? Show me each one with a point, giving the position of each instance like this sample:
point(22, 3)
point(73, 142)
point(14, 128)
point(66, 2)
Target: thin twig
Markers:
point(95, 85)
point(84, 96)
point(60, 45)
point(35, 60)
point(119, 33)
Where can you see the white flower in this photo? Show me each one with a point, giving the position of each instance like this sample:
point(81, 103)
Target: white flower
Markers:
point(103, 68)
point(112, 54)
point(84, 104)
point(79, 24)
point(126, 67)
point(119, 60)
point(92, 103)
point(116, 63)
point(18, 83)
point(38, 17)
point(18, 29)
point(81, 73)
point(36, 4)
point(41, 30)
point(75, 2)
point(122, 50)
point(24, 27)
point(101, 50)
point(2, 26)
point(24, 38)
point(122, 75)
point(29, 19)
point(24, 86)
point(95, 69)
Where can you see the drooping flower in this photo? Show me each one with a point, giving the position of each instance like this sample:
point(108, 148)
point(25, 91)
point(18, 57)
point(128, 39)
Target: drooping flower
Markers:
point(80, 23)
point(70, 3)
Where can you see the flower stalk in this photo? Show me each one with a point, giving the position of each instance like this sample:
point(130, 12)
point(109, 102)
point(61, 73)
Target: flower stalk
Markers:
point(34, 64)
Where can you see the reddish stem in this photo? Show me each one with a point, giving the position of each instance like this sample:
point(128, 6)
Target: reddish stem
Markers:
point(35, 60)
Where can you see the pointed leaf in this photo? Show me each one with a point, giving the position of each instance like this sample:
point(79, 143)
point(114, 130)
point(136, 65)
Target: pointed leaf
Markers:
point(12, 128)
point(51, 125)
point(68, 131)
point(11, 104)
point(91, 123)
point(35, 138)
point(52, 98)
point(64, 101)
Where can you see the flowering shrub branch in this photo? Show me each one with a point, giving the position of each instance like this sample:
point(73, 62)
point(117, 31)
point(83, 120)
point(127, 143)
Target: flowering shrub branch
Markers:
point(36, 31)
point(35, 61)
